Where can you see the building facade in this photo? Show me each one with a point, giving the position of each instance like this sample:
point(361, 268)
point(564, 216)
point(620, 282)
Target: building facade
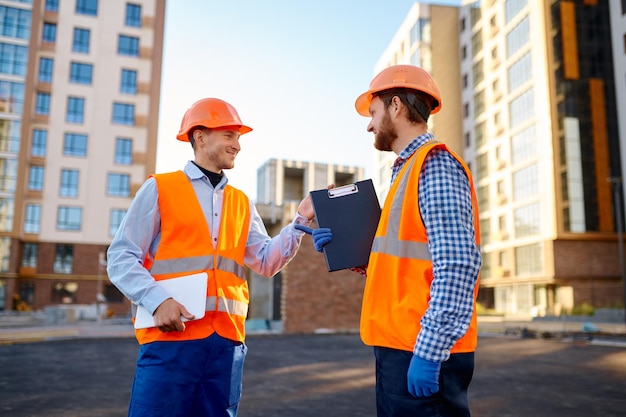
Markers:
point(80, 88)
point(541, 122)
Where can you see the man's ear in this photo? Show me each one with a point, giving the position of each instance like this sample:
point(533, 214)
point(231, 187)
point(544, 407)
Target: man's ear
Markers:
point(396, 106)
point(198, 135)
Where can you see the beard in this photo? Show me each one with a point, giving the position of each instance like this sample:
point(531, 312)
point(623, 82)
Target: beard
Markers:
point(386, 134)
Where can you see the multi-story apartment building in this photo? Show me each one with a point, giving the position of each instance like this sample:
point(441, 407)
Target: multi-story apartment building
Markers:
point(541, 127)
point(529, 100)
point(429, 38)
point(79, 90)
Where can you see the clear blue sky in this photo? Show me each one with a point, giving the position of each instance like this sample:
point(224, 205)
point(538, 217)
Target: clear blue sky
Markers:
point(291, 68)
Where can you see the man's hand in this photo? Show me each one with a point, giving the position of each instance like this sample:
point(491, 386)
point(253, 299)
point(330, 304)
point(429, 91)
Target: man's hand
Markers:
point(423, 377)
point(306, 205)
point(321, 236)
point(167, 316)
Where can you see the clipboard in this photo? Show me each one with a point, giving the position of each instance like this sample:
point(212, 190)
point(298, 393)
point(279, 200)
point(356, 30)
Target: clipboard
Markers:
point(189, 290)
point(351, 212)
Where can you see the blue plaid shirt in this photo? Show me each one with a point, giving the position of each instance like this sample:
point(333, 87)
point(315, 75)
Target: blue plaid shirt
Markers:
point(446, 208)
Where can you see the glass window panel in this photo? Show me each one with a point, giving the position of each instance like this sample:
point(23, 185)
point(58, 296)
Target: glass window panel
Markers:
point(69, 218)
point(128, 83)
point(526, 183)
point(81, 40)
point(123, 151)
point(69, 183)
point(40, 140)
point(128, 45)
point(133, 15)
point(75, 144)
point(87, 7)
point(32, 219)
point(124, 113)
point(75, 110)
point(118, 185)
point(81, 73)
point(35, 177)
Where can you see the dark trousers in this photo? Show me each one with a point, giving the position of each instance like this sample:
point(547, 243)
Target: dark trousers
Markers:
point(392, 395)
point(188, 378)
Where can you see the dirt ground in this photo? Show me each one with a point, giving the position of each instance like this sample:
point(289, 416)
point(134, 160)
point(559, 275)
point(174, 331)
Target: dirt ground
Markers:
point(318, 375)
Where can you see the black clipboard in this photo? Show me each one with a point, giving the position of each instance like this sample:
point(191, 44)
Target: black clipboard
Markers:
point(351, 212)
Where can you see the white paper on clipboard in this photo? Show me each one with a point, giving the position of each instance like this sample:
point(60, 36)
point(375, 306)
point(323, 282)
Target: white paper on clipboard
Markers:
point(189, 290)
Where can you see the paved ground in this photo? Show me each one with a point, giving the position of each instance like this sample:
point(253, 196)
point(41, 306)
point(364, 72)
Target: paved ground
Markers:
point(317, 375)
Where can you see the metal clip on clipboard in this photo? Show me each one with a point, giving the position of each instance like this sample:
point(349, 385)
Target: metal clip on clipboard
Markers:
point(343, 190)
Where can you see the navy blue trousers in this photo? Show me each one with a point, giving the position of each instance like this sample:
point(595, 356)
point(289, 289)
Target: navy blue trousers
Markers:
point(188, 378)
point(392, 394)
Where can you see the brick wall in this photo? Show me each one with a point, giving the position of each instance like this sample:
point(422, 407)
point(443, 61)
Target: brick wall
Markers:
point(314, 299)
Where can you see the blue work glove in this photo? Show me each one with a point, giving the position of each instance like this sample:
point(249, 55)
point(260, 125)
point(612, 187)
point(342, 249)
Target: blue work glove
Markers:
point(423, 377)
point(320, 236)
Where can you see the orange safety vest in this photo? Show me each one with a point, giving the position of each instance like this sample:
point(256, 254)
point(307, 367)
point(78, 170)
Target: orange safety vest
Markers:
point(400, 268)
point(185, 248)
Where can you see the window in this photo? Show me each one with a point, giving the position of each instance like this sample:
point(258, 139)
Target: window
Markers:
point(526, 183)
point(32, 219)
point(27, 292)
point(529, 260)
point(75, 110)
point(116, 219)
point(81, 73)
point(52, 5)
point(133, 15)
point(517, 37)
point(69, 183)
point(64, 292)
point(527, 220)
point(512, 8)
point(519, 72)
point(40, 139)
point(128, 83)
point(35, 178)
point(63, 259)
point(12, 94)
point(8, 174)
point(29, 254)
point(45, 70)
point(14, 23)
point(521, 108)
point(13, 59)
point(128, 45)
point(49, 33)
point(42, 105)
point(69, 218)
point(81, 40)
point(123, 151)
point(118, 185)
point(10, 136)
point(7, 205)
point(75, 144)
point(124, 114)
point(88, 7)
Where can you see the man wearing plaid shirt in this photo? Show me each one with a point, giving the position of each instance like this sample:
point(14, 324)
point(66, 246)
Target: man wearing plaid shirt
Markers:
point(422, 277)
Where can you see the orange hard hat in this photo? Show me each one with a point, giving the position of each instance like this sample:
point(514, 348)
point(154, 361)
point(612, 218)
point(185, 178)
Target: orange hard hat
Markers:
point(399, 76)
point(211, 113)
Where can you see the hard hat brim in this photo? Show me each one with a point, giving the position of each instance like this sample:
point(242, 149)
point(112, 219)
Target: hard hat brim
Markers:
point(241, 129)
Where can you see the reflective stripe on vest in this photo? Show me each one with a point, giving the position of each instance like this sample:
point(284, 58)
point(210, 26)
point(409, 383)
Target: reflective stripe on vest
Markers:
point(390, 243)
point(225, 305)
point(197, 263)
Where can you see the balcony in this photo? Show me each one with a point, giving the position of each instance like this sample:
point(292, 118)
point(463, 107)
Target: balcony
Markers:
point(27, 271)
